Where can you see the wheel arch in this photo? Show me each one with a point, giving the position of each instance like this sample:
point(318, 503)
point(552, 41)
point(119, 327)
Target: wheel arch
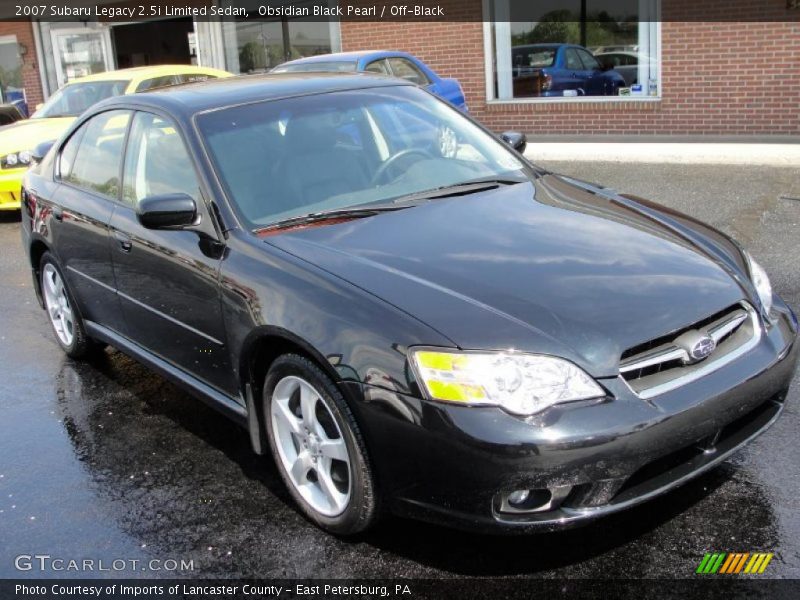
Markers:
point(37, 250)
point(259, 351)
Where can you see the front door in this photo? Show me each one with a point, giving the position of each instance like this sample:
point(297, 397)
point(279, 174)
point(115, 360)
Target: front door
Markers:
point(80, 52)
point(167, 280)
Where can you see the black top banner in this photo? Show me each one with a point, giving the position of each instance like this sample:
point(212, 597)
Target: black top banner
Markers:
point(125, 11)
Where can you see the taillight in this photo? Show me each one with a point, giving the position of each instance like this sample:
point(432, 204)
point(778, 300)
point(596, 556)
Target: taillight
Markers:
point(545, 81)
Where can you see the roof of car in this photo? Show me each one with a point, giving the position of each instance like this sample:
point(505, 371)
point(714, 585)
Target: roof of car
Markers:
point(146, 72)
point(218, 93)
point(346, 56)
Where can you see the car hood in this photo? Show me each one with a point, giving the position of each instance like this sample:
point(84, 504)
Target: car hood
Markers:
point(27, 134)
point(550, 266)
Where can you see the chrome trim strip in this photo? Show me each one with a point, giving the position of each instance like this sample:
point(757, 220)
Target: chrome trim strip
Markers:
point(710, 366)
point(170, 319)
point(146, 307)
point(92, 279)
point(730, 324)
point(653, 357)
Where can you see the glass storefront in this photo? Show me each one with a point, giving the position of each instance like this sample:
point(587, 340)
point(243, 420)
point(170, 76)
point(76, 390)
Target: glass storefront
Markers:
point(11, 89)
point(557, 49)
point(258, 46)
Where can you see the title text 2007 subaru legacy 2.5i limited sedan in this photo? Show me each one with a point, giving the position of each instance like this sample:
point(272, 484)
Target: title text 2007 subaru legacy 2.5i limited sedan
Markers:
point(398, 307)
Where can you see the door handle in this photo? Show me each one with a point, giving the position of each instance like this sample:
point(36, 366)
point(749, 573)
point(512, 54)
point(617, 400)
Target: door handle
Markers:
point(125, 243)
point(58, 213)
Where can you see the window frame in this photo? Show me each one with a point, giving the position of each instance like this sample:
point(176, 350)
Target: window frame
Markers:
point(414, 67)
point(171, 121)
point(489, 74)
point(80, 130)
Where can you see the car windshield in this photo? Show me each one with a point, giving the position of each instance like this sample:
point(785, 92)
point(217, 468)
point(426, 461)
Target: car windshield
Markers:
point(286, 158)
point(74, 98)
point(336, 66)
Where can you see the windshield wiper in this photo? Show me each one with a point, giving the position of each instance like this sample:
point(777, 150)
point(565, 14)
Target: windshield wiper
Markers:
point(459, 189)
point(326, 215)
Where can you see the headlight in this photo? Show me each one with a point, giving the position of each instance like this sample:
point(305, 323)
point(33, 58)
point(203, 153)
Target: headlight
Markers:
point(522, 384)
point(16, 159)
point(761, 282)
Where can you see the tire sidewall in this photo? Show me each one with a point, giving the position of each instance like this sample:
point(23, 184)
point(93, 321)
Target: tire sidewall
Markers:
point(360, 509)
point(77, 347)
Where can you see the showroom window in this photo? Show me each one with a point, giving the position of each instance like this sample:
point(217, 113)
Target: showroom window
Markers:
point(256, 46)
point(557, 50)
point(10, 70)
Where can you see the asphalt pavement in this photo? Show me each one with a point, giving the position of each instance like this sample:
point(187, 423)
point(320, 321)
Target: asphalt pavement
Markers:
point(106, 460)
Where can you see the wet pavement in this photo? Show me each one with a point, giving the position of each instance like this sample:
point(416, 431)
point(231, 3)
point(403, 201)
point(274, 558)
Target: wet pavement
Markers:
point(106, 460)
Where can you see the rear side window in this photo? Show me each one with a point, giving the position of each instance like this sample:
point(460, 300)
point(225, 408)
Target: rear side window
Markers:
point(405, 69)
point(378, 66)
point(158, 82)
point(194, 77)
point(92, 157)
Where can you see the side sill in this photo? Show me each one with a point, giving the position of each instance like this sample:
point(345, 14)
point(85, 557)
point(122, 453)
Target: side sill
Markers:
point(204, 392)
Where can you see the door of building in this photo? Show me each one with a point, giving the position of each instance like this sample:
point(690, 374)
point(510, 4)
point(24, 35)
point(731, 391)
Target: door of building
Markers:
point(79, 52)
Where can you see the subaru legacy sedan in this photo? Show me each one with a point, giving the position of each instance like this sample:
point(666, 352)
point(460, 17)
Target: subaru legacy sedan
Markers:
point(419, 323)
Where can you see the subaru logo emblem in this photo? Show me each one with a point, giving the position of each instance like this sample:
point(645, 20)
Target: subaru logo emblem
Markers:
point(702, 347)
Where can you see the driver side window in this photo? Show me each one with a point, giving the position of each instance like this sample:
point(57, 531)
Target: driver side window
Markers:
point(157, 162)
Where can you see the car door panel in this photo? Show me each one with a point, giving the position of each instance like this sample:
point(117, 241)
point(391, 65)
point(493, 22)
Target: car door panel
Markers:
point(89, 164)
point(167, 280)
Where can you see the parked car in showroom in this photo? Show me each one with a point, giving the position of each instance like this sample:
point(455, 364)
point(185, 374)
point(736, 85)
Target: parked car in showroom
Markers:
point(550, 70)
point(383, 62)
point(53, 117)
point(453, 335)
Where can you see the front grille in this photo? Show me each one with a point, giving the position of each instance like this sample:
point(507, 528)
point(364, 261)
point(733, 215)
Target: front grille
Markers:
point(667, 362)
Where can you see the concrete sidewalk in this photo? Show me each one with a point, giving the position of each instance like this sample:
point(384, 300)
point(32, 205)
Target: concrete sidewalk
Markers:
point(721, 153)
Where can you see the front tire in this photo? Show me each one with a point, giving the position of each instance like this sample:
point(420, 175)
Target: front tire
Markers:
point(61, 309)
point(318, 447)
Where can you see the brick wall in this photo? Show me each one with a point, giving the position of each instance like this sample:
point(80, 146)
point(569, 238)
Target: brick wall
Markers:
point(30, 68)
point(718, 78)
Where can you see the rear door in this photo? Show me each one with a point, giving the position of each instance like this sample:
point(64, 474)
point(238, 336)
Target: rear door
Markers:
point(88, 167)
point(167, 280)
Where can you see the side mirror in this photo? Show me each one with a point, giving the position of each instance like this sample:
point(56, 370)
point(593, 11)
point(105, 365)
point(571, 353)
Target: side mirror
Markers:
point(41, 150)
point(516, 140)
point(167, 211)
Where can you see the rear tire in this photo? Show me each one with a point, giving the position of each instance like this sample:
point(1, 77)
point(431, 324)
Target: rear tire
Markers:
point(62, 311)
point(318, 447)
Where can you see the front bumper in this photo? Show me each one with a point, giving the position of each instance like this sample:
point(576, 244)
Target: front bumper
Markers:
point(452, 464)
point(11, 188)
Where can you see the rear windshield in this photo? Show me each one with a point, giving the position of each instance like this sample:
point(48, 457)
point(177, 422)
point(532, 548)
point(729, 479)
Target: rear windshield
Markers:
point(533, 57)
point(75, 98)
point(336, 66)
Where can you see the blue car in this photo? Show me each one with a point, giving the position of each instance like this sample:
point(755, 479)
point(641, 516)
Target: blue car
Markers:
point(396, 64)
point(561, 70)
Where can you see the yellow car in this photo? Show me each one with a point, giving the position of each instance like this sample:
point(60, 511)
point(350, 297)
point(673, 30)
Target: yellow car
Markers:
point(53, 117)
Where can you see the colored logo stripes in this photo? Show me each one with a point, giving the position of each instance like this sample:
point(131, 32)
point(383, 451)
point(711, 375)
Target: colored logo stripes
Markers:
point(734, 563)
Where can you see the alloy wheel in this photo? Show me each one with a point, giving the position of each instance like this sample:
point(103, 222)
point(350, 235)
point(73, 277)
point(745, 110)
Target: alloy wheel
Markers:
point(58, 306)
point(311, 446)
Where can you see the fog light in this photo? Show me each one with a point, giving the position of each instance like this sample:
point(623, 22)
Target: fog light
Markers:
point(518, 497)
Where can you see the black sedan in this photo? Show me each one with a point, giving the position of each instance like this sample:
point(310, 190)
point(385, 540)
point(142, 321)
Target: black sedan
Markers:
point(398, 307)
